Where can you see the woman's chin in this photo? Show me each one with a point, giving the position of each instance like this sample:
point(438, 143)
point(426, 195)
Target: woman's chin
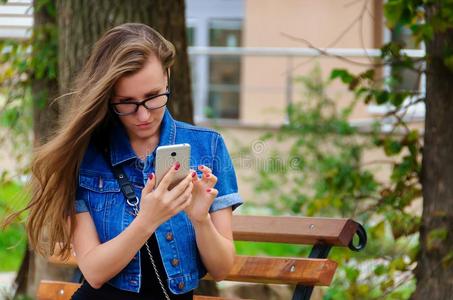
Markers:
point(145, 133)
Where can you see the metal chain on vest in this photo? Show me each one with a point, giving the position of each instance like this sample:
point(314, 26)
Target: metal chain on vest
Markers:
point(152, 260)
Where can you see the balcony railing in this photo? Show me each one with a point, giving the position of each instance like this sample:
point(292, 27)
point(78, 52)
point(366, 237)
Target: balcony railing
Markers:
point(200, 57)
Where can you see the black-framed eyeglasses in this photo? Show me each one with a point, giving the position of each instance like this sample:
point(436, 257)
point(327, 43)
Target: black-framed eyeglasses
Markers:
point(130, 107)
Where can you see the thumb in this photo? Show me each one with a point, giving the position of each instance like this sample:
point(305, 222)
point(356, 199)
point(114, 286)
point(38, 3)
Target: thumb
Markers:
point(149, 186)
point(212, 192)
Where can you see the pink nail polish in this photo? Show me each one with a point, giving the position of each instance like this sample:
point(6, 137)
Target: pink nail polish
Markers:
point(151, 176)
point(208, 190)
point(201, 167)
point(208, 175)
point(194, 174)
point(177, 166)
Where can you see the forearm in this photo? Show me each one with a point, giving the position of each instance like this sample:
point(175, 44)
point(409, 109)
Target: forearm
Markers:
point(106, 260)
point(217, 252)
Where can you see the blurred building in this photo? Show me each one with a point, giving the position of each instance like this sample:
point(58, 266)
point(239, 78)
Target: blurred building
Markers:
point(246, 54)
point(271, 41)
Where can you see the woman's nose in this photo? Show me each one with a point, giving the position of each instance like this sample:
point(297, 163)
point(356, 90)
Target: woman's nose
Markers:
point(142, 113)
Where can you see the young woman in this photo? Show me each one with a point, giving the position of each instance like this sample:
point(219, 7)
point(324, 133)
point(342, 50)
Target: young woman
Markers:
point(162, 246)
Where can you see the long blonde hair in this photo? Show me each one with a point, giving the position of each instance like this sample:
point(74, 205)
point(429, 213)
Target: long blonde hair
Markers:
point(122, 50)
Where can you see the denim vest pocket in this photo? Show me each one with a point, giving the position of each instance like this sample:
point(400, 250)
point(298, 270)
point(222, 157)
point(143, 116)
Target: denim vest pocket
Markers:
point(101, 190)
point(104, 195)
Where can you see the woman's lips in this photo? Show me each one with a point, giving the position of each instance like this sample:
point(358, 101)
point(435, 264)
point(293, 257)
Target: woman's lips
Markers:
point(144, 125)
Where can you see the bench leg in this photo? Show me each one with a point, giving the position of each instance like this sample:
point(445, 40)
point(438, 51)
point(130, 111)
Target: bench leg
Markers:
point(303, 292)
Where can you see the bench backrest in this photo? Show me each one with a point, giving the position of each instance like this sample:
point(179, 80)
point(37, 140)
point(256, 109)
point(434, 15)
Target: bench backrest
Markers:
point(317, 269)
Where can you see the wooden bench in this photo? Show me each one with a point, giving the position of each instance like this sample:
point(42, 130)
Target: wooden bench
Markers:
point(305, 273)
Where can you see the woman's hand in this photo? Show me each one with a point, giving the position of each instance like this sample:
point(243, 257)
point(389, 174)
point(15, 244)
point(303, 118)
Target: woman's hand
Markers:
point(157, 206)
point(203, 194)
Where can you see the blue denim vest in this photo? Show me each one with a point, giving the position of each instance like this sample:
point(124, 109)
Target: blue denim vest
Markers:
point(99, 194)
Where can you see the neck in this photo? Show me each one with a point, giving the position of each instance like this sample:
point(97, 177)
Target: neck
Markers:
point(144, 147)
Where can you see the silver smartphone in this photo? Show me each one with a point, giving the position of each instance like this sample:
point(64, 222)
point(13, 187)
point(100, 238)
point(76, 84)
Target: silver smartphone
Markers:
point(167, 156)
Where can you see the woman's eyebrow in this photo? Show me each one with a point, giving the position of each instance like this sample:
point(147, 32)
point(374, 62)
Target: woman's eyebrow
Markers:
point(150, 93)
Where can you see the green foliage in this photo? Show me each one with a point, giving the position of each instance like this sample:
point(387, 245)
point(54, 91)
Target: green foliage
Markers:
point(15, 98)
point(21, 65)
point(12, 240)
point(322, 161)
point(322, 173)
point(8, 294)
point(403, 143)
point(273, 249)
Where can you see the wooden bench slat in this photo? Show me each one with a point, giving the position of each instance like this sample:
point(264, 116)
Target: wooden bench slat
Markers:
point(282, 270)
point(294, 230)
point(266, 269)
point(56, 290)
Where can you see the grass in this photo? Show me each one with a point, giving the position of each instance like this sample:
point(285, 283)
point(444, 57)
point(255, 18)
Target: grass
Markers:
point(270, 249)
point(13, 238)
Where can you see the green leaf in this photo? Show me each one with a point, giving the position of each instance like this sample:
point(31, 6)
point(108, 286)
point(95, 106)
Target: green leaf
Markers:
point(422, 32)
point(10, 116)
point(368, 74)
point(343, 74)
point(387, 284)
point(378, 231)
point(397, 98)
point(380, 269)
point(381, 96)
point(392, 147)
point(398, 264)
point(352, 273)
point(393, 9)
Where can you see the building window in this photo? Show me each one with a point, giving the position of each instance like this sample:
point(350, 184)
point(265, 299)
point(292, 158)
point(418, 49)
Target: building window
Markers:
point(190, 36)
point(224, 71)
point(409, 79)
point(190, 31)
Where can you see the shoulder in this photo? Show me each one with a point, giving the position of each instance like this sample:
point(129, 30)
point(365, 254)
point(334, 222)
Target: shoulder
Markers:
point(203, 140)
point(194, 128)
point(93, 160)
point(202, 134)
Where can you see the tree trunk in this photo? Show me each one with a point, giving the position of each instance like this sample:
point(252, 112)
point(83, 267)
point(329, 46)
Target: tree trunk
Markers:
point(434, 271)
point(81, 23)
point(164, 17)
point(45, 116)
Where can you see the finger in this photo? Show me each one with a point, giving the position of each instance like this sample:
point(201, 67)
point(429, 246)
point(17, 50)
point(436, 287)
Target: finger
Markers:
point(149, 186)
point(204, 169)
point(209, 178)
point(182, 198)
point(187, 203)
point(194, 176)
point(181, 187)
point(168, 177)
